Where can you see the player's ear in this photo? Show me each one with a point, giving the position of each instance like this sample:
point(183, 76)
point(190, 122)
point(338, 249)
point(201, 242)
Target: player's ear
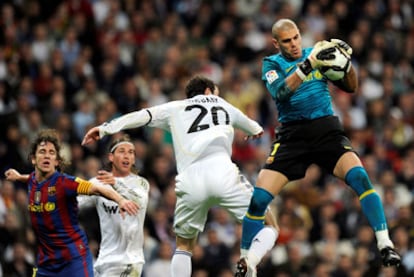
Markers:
point(216, 90)
point(111, 157)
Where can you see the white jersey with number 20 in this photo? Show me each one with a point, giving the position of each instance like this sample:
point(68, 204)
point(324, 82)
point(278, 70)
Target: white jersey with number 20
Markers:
point(202, 132)
point(200, 126)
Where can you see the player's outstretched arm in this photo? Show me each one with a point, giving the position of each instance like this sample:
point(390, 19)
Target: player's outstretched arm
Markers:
point(128, 121)
point(14, 175)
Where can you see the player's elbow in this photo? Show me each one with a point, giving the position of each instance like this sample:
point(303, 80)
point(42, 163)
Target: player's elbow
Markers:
point(351, 88)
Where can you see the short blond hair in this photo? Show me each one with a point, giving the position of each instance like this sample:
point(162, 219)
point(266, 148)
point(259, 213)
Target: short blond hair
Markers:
point(281, 25)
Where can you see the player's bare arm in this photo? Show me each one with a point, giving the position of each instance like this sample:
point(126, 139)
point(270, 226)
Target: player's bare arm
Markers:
point(349, 83)
point(13, 175)
point(125, 205)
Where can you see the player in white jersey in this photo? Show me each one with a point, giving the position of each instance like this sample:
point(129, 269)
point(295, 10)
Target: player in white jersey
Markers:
point(202, 128)
point(122, 239)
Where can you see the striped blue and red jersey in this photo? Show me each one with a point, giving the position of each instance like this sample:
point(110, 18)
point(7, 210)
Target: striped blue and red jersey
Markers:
point(53, 209)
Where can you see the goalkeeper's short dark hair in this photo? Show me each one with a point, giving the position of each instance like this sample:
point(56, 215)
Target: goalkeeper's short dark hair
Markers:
point(197, 85)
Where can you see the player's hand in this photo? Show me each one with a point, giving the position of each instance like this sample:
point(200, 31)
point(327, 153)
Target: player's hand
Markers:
point(254, 136)
point(320, 56)
point(127, 206)
point(91, 136)
point(343, 46)
point(106, 177)
point(12, 175)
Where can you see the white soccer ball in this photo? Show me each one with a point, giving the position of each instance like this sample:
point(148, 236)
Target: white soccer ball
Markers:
point(338, 70)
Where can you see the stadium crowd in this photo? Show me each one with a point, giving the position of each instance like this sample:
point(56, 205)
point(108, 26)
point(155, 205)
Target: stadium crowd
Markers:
point(73, 64)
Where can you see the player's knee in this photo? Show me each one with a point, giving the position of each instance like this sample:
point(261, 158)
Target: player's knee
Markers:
point(357, 178)
point(185, 244)
point(259, 202)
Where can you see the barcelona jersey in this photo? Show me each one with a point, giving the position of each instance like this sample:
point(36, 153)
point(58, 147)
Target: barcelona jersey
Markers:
point(311, 100)
point(53, 209)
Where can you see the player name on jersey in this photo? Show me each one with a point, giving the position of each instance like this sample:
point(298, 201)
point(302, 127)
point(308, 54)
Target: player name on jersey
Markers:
point(204, 100)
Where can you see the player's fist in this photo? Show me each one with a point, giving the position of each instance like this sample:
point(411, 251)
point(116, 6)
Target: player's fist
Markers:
point(343, 46)
point(321, 55)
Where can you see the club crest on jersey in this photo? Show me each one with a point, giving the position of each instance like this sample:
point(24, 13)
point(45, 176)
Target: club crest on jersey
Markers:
point(51, 191)
point(271, 76)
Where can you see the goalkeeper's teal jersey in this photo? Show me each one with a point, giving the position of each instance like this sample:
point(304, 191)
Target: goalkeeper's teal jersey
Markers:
point(311, 100)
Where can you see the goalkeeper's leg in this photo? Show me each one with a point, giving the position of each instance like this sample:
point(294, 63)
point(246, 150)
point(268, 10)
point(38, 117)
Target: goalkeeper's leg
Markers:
point(357, 178)
point(269, 183)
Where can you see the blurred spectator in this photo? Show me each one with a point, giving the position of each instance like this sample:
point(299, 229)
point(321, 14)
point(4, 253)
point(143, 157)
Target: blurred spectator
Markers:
point(216, 253)
point(408, 257)
point(70, 47)
point(57, 108)
point(82, 118)
point(90, 92)
point(160, 226)
point(351, 217)
point(224, 225)
point(161, 263)
point(10, 232)
point(42, 44)
point(198, 260)
point(331, 237)
point(295, 264)
point(20, 263)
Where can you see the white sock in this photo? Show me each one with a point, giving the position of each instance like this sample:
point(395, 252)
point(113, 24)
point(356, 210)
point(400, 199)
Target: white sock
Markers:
point(181, 264)
point(261, 244)
point(383, 239)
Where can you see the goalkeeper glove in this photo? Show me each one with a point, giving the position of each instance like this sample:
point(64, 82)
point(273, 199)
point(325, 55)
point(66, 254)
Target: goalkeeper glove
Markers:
point(321, 55)
point(345, 48)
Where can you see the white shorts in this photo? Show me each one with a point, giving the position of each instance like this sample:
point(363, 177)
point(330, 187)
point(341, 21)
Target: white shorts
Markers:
point(118, 270)
point(213, 181)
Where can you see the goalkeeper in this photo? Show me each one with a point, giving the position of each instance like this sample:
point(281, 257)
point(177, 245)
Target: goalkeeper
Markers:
point(309, 133)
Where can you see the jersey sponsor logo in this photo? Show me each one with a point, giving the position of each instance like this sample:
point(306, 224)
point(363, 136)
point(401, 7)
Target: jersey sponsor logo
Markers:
point(287, 70)
point(112, 209)
point(42, 207)
point(271, 76)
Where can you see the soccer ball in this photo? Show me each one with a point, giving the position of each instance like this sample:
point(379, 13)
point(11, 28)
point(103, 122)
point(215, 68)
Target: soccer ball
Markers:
point(338, 69)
